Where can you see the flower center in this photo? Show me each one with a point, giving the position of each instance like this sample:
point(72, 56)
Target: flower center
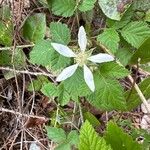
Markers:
point(81, 58)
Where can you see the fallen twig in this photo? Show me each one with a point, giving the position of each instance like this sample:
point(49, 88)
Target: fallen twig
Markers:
point(26, 72)
point(24, 115)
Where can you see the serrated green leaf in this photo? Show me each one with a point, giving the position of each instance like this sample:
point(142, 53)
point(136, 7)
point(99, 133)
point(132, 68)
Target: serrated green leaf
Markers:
point(73, 137)
point(63, 95)
point(109, 94)
point(76, 86)
point(49, 90)
point(110, 39)
point(6, 26)
point(86, 5)
point(35, 27)
point(136, 33)
point(89, 139)
point(57, 135)
point(120, 140)
point(133, 99)
point(60, 32)
point(124, 55)
point(63, 8)
point(113, 70)
point(92, 119)
point(41, 53)
point(58, 62)
point(143, 53)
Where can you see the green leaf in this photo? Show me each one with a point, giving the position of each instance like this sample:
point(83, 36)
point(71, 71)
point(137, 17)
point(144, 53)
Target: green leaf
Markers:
point(133, 99)
point(49, 90)
point(63, 8)
point(63, 95)
point(113, 70)
point(58, 62)
point(124, 55)
point(63, 146)
point(108, 95)
point(6, 27)
point(143, 53)
point(60, 33)
point(35, 27)
point(89, 139)
point(41, 53)
point(136, 33)
point(120, 140)
point(19, 61)
point(110, 39)
point(76, 86)
point(86, 5)
point(59, 91)
point(57, 135)
point(110, 8)
point(73, 137)
point(19, 58)
point(37, 84)
point(92, 119)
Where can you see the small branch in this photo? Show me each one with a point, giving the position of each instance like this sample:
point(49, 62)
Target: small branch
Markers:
point(20, 46)
point(26, 72)
point(24, 115)
point(139, 92)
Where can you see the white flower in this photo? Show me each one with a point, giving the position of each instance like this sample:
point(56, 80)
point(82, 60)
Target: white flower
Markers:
point(81, 59)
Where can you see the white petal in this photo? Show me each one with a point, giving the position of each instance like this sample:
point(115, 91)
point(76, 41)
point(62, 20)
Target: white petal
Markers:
point(63, 50)
point(88, 77)
point(82, 40)
point(100, 58)
point(67, 72)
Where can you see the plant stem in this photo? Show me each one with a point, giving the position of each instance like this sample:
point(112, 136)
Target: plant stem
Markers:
point(20, 46)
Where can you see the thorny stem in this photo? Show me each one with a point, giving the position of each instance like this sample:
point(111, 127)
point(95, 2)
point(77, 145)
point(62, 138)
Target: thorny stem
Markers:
point(139, 92)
